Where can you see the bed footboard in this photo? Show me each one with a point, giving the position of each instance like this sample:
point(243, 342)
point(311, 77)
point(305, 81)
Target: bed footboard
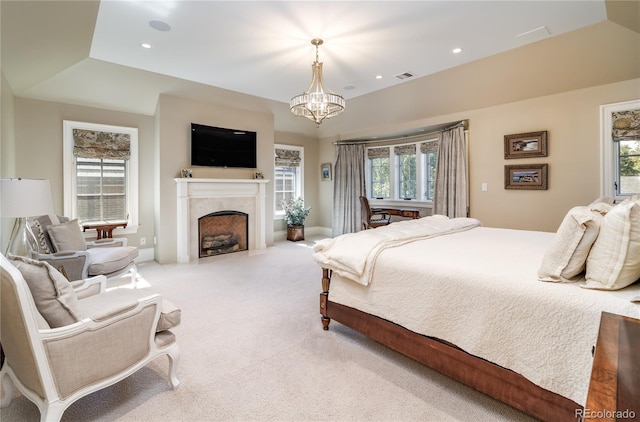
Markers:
point(495, 381)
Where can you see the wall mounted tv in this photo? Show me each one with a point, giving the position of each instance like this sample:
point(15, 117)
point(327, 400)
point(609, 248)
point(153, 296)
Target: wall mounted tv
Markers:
point(219, 147)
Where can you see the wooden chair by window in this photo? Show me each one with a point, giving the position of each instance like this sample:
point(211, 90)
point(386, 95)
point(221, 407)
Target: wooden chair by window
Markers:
point(372, 218)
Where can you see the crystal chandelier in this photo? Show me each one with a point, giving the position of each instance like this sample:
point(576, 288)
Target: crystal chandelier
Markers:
point(317, 103)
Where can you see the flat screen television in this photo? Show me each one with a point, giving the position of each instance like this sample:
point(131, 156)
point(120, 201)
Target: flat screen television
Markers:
point(220, 147)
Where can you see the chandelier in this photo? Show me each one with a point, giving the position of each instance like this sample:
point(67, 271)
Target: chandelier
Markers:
point(317, 103)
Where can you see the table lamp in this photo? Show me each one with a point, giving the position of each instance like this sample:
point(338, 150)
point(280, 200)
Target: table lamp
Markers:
point(21, 199)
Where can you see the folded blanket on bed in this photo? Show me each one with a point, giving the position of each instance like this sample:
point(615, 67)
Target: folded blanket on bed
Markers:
point(353, 255)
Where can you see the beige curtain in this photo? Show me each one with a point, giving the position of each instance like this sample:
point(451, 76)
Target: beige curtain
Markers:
point(348, 186)
point(451, 196)
point(95, 144)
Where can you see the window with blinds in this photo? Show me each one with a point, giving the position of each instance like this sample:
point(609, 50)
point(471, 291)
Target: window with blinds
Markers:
point(288, 175)
point(101, 173)
point(404, 171)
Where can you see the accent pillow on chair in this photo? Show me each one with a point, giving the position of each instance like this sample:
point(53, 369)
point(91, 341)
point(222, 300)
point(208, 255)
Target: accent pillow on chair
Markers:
point(53, 295)
point(67, 237)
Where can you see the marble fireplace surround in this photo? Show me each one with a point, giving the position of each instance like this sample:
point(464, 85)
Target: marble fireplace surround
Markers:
point(199, 197)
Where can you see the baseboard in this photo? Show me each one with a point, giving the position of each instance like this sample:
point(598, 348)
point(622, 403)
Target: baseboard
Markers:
point(308, 231)
point(146, 254)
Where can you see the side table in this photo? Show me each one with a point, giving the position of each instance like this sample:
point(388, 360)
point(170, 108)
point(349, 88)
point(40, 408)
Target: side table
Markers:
point(104, 228)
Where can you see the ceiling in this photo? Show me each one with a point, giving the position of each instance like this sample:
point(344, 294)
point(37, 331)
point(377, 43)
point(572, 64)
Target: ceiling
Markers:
point(263, 48)
point(257, 55)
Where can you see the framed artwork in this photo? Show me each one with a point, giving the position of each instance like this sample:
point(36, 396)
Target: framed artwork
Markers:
point(525, 145)
point(325, 172)
point(524, 176)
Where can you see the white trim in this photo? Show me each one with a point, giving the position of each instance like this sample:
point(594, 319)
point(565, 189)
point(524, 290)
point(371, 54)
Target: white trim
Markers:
point(608, 168)
point(279, 215)
point(69, 175)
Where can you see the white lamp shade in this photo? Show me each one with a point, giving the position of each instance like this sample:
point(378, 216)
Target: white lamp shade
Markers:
point(25, 198)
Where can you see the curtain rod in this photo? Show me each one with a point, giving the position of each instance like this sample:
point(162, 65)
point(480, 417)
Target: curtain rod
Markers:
point(462, 123)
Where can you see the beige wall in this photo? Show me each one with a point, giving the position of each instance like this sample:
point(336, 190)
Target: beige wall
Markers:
point(173, 119)
point(38, 135)
point(7, 148)
point(571, 118)
point(572, 122)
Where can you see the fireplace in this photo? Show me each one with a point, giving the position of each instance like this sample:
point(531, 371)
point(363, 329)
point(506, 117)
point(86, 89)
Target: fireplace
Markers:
point(199, 197)
point(223, 232)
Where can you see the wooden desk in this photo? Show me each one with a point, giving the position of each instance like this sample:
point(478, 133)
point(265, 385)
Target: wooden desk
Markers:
point(402, 212)
point(614, 389)
point(104, 228)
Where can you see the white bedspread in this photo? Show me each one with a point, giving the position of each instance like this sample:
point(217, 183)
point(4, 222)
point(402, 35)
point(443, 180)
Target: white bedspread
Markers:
point(353, 255)
point(478, 289)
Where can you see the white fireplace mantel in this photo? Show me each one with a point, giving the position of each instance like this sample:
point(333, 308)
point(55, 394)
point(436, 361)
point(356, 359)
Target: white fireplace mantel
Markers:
point(199, 197)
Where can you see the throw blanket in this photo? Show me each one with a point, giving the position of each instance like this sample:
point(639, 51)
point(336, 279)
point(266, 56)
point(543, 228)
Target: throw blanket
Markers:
point(353, 255)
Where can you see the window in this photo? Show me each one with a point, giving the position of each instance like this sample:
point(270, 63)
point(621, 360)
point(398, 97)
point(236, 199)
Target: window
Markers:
point(402, 172)
point(101, 173)
point(620, 146)
point(288, 180)
point(101, 189)
point(379, 171)
point(406, 156)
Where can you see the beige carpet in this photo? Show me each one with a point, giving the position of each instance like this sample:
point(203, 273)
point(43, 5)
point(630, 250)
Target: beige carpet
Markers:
point(253, 349)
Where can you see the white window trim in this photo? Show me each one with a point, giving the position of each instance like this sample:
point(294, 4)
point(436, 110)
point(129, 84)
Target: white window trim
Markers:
point(69, 174)
point(394, 200)
point(608, 151)
point(279, 215)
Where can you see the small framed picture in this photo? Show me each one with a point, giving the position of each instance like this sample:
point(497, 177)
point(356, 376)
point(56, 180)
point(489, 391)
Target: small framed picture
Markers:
point(524, 176)
point(524, 145)
point(325, 171)
point(186, 173)
point(258, 175)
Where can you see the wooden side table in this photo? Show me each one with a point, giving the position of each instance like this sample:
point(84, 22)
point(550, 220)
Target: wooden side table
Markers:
point(104, 228)
point(614, 389)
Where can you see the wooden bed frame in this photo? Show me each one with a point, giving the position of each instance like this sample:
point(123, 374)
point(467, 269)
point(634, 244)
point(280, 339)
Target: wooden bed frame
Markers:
point(484, 376)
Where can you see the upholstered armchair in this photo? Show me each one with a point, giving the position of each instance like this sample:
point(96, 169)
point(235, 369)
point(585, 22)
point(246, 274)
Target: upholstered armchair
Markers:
point(61, 244)
point(60, 345)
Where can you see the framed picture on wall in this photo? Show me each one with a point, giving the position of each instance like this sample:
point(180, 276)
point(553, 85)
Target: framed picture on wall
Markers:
point(523, 176)
point(524, 145)
point(325, 172)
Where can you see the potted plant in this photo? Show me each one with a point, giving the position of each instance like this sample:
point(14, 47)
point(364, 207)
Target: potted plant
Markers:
point(294, 214)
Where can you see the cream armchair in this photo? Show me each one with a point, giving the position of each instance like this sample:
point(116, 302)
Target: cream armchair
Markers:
point(60, 346)
point(61, 244)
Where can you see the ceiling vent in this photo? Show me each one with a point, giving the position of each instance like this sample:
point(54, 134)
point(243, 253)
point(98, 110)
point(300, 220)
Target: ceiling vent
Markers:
point(405, 75)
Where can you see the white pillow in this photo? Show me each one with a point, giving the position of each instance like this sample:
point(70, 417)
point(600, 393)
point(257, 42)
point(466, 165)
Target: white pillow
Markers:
point(614, 260)
point(566, 257)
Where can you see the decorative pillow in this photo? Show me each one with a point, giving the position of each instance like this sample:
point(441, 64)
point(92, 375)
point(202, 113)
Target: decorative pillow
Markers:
point(43, 240)
point(54, 297)
point(614, 261)
point(67, 237)
point(566, 257)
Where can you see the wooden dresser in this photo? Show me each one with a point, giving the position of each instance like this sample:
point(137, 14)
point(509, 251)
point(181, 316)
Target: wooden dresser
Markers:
point(614, 389)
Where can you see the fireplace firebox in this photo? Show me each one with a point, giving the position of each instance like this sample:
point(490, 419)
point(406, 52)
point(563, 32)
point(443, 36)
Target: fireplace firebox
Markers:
point(223, 232)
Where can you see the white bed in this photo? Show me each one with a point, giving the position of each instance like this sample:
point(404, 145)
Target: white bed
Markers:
point(478, 289)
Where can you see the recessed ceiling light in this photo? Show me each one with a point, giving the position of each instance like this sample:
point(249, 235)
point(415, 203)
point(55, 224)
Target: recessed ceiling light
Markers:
point(456, 50)
point(378, 76)
point(145, 45)
point(160, 26)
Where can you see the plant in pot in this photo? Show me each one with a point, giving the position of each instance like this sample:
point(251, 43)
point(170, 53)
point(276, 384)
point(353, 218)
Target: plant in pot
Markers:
point(294, 214)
